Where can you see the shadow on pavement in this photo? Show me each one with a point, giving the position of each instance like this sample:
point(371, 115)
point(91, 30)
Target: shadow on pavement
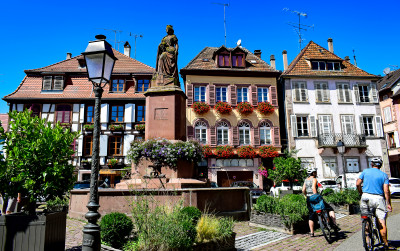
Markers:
point(76, 248)
point(394, 243)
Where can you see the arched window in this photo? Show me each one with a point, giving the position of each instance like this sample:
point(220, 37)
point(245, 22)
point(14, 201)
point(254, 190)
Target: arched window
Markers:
point(244, 133)
point(200, 131)
point(265, 134)
point(222, 133)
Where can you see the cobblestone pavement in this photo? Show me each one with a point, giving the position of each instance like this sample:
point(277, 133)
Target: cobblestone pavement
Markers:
point(73, 240)
point(258, 239)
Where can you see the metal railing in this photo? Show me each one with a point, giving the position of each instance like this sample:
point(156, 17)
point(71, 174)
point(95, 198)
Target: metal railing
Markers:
point(349, 140)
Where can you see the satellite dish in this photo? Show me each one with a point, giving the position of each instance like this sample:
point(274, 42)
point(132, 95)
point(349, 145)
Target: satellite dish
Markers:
point(386, 70)
point(239, 42)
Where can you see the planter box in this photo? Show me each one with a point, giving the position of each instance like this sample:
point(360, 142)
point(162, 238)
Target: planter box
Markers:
point(20, 232)
point(346, 209)
point(274, 222)
point(226, 244)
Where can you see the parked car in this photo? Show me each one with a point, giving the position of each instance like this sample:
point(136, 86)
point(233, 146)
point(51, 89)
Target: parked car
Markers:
point(351, 179)
point(255, 191)
point(394, 186)
point(328, 183)
point(284, 185)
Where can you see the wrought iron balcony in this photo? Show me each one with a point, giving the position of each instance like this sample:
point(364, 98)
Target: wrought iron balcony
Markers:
point(349, 140)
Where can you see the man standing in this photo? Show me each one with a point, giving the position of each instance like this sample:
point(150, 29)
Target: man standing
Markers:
point(375, 194)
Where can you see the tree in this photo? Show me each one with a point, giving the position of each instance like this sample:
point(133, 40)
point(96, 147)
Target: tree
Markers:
point(288, 168)
point(37, 158)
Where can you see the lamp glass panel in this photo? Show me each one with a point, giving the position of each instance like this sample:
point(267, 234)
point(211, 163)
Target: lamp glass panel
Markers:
point(94, 64)
point(108, 67)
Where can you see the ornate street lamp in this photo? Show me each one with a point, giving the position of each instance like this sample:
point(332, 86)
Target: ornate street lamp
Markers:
point(100, 61)
point(341, 149)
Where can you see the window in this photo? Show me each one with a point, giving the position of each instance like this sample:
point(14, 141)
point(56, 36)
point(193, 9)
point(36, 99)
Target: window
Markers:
point(90, 114)
point(392, 139)
point(143, 85)
point(333, 66)
point(117, 114)
point(347, 124)
point(265, 134)
point(242, 94)
point(63, 114)
point(35, 108)
point(87, 145)
point(343, 90)
point(221, 94)
point(325, 124)
point(363, 91)
point(388, 114)
point(302, 126)
point(321, 92)
point(223, 60)
point(244, 133)
point(329, 166)
point(307, 162)
point(53, 83)
point(237, 60)
point(200, 93)
point(367, 125)
point(318, 65)
point(366, 92)
point(222, 134)
point(141, 113)
point(200, 131)
point(299, 91)
point(118, 85)
point(115, 145)
point(262, 94)
point(352, 165)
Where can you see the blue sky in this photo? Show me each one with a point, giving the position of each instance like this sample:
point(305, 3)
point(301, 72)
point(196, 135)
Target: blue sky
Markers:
point(39, 33)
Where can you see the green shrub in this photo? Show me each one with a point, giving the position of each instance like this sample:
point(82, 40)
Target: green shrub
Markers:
point(266, 204)
point(207, 228)
point(347, 196)
point(225, 227)
point(352, 196)
point(193, 213)
point(115, 229)
point(327, 191)
point(57, 204)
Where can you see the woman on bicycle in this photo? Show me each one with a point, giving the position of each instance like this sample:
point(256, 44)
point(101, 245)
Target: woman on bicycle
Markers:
point(309, 188)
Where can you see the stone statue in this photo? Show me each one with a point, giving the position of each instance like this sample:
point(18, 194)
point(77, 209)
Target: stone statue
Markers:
point(167, 58)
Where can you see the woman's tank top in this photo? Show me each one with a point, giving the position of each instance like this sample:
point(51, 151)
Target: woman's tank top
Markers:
point(309, 188)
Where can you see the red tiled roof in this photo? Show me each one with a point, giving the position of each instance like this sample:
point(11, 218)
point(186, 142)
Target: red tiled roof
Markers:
point(301, 65)
point(4, 120)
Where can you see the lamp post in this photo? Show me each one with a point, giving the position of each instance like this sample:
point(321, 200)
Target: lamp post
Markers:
point(100, 61)
point(341, 148)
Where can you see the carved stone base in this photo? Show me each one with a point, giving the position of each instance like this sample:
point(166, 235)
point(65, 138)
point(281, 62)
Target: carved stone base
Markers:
point(164, 80)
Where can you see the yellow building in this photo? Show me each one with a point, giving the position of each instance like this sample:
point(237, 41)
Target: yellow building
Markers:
point(237, 78)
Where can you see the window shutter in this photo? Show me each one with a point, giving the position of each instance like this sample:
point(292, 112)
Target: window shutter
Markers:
point(213, 135)
point(253, 93)
point(340, 92)
point(80, 145)
point(303, 92)
point(59, 116)
point(362, 129)
point(58, 82)
point(346, 89)
point(379, 131)
point(211, 94)
point(257, 136)
point(313, 126)
point(374, 93)
point(356, 93)
point(318, 92)
point(296, 91)
point(396, 138)
point(190, 132)
point(47, 82)
point(274, 96)
point(277, 141)
point(67, 116)
point(235, 132)
point(293, 121)
point(325, 92)
point(189, 93)
point(233, 95)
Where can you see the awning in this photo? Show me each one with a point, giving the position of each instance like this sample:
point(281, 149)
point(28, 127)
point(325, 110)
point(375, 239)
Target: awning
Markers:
point(109, 171)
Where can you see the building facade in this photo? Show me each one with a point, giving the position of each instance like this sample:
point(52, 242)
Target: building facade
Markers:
point(234, 76)
point(62, 93)
point(389, 96)
point(327, 100)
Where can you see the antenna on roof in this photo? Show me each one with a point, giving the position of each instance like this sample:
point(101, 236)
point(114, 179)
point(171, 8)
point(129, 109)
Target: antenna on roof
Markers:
point(136, 36)
point(299, 27)
point(393, 67)
point(225, 5)
point(354, 56)
point(386, 71)
point(115, 41)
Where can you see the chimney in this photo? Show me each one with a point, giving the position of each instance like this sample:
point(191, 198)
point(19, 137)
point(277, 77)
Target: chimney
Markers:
point(347, 59)
point(330, 44)
point(127, 49)
point(285, 65)
point(69, 55)
point(257, 53)
point(272, 61)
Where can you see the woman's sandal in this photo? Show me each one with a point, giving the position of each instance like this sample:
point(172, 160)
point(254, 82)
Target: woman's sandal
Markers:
point(311, 234)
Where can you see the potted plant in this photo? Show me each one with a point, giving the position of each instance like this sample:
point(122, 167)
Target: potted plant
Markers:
point(200, 108)
point(111, 163)
point(37, 165)
point(265, 108)
point(224, 151)
point(207, 151)
point(223, 107)
point(267, 152)
point(140, 127)
point(247, 152)
point(116, 127)
point(88, 127)
point(245, 108)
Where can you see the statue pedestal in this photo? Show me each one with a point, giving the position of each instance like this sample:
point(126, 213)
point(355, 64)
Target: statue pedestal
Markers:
point(165, 113)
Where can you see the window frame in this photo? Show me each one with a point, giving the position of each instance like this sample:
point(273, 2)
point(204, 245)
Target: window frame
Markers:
point(220, 89)
point(363, 98)
point(139, 111)
point(329, 160)
point(87, 139)
point(261, 96)
point(368, 126)
point(244, 133)
point(240, 94)
point(319, 63)
point(86, 114)
point(304, 126)
point(201, 136)
point(110, 142)
point(35, 105)
point(64, 112)
point(387, 113)
point(320, 91)
point(118, 113)
point(345, 123)
point(201, 94)
point(224, 128)
point(322, 123)
point(225, 56)
point(118, 90)
point(352, 158)
point(301, 88)
point(143, 89)
point(342, 90)
point(53, 79)
point(264, 128)
point(235, 60)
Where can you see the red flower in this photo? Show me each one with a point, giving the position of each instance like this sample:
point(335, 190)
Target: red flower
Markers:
point(265, 108)
point(207, 151)
point(224, 151)
point(223, 107)
point(200, 107)
point(247, 152)
point(267, 152)
point(245, 108)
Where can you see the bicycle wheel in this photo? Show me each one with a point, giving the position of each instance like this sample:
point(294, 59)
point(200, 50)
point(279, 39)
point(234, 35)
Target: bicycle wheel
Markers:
point(376, 234)
point(325, 227)
point(367, 236)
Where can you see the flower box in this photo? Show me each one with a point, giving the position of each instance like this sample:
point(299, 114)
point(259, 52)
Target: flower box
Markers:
point(140, 127)
point(268, 152)
point(112, 163)
point(247, 152)
point(224, 244)
point(116, 127)
point(223, 107)
point(200, 108)
point(245, 108)
point(275, 222)
point(224, 151)
point(88, 127)
point(265, 108)
point(207, 151)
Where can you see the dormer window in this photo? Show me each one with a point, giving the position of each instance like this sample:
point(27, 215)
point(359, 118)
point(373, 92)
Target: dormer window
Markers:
point(325, 66)
point(333, 66)
point(237, 60)
point(53, 83)
point(318, 65)
point(223, 60)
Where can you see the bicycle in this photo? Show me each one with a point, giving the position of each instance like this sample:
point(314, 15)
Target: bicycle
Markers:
point(327, 226)
point(370, 231)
